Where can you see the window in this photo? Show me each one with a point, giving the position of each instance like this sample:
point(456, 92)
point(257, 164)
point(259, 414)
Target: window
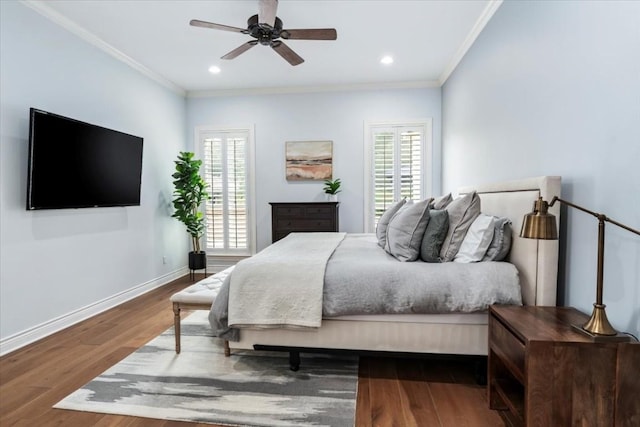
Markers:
point(398, 157)
point(228, 170)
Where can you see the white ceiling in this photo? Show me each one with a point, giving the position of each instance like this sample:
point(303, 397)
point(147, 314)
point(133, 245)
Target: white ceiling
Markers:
point(427, 38)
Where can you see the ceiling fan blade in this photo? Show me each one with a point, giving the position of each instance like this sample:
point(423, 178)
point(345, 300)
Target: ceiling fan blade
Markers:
point(285, 51)
point(267, 12)
point(241, 49)
point(310, 34)
point(205, 24)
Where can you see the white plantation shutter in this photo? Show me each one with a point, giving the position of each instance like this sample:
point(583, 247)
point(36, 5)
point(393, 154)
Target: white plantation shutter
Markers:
point(410, 164)
point(397, 157)
point(384, 171)
point(226, 169)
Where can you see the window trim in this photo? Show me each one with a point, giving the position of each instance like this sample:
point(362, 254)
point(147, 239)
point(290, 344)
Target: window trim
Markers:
point(200, 131)
point(427, 162)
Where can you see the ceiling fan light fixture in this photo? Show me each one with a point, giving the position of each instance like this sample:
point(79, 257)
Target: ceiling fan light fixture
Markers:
point(214, 69)
point(266, 29)
point(386, 60)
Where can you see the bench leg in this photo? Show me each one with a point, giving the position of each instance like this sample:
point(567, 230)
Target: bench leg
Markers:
point(227, 350)
point(176, 325)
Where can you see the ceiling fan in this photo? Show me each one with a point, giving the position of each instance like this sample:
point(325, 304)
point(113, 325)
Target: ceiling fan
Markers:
point(266, 29)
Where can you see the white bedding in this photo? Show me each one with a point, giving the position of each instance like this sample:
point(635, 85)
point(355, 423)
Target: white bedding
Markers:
point(306, 277)
point(281, 287)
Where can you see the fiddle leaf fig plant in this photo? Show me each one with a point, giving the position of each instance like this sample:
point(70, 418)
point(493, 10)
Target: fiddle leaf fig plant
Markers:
point(190, 191)
point(332, 187)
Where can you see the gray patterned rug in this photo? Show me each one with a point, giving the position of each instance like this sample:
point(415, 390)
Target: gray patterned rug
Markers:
point(201, 385)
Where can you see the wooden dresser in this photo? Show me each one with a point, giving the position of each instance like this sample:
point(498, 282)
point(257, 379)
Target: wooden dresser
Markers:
point(547, 374)
point(303, 217)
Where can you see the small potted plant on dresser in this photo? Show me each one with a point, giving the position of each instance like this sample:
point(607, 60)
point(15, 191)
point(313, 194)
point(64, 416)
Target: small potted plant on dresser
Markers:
point(190, 191)
point(331, 189)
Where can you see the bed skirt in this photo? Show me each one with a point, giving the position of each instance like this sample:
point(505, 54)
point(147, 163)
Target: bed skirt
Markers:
point(460, 334)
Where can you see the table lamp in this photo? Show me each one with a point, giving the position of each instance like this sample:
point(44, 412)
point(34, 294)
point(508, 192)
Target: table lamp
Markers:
point(540, 224)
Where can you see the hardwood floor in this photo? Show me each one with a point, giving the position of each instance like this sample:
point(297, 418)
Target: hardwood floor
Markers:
point(391, 391)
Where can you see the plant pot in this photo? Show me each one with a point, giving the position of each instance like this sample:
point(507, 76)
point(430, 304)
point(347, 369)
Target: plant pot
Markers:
point(331, 197)
point(197, 260)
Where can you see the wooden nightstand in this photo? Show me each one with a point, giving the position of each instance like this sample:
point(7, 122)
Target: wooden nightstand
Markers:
point(303, 217)
point(547, 374)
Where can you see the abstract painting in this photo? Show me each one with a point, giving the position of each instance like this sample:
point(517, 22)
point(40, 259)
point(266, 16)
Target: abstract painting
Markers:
point(309, 160)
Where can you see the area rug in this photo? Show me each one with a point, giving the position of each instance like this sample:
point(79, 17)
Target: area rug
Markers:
point(202, 385)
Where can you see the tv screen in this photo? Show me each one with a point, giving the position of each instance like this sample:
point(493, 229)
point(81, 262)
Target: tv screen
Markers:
point(73, 164)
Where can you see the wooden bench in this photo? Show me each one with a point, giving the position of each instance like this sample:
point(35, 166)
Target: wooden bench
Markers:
point(198, 296)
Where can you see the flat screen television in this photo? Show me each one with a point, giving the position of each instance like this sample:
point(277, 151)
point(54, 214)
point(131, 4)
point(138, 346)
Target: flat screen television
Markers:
point(73, 164)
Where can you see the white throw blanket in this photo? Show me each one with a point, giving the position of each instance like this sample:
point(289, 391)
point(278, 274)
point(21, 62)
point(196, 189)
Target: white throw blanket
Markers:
point(282, 285)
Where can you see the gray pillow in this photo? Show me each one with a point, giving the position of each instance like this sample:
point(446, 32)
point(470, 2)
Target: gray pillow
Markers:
point(441, 202)
point(434, 235)
point(462, 212)
point(383, 222)
point(501, 243)
point(406, 230)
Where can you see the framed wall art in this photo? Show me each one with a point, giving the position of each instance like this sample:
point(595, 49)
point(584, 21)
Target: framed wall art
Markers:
point(309, 160)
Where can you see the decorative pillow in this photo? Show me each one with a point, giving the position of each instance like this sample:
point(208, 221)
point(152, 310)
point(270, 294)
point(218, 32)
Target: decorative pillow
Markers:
point(383, 222)
point(441, 202)
point(462, 212)
point(501, 243)
point(434, 235)
point(477, 240)
point(406, 229)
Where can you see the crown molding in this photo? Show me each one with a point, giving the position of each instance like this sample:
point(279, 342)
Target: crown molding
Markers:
point(312, 89)
point(43, 9)
point(482, 21)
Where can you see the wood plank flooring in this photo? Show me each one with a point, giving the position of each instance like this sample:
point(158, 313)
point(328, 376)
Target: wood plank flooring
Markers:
point(399, 392)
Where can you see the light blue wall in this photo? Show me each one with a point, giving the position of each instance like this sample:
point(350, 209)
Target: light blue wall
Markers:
point(553, 88)
point(55, 262)
point(335, 116)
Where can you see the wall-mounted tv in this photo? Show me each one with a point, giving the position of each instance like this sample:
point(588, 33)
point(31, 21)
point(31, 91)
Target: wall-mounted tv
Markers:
point(73, 164)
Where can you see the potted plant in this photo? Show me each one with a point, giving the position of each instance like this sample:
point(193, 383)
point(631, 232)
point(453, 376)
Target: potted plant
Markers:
point(331, 189)
point(189, 194)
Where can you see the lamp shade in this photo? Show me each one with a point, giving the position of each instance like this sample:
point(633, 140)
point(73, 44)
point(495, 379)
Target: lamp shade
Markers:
point(539, 224)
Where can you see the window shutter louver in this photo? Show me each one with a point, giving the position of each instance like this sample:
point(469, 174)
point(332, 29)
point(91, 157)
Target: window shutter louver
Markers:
point(397, 158)
point(227, 215)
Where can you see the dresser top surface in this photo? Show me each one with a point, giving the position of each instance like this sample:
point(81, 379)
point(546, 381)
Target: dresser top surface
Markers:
point(303, 203)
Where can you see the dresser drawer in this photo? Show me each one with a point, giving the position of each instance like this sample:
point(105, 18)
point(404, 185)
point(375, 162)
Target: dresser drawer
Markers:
point(303, 217)
point(507, 346)
point(319, 211)
point(305, 224)
point(293, 211)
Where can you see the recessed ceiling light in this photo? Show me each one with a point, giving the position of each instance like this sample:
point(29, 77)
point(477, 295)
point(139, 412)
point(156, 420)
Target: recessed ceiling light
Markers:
point(214, 69)
point(386, 60)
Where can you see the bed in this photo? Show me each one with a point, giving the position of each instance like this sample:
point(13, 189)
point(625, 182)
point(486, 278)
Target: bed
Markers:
point(452, 333)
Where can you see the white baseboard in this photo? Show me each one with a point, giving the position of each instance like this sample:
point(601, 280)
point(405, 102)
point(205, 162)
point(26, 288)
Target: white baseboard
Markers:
point(28, 336)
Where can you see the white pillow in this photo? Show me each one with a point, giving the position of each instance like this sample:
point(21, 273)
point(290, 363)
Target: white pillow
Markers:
point(477, 240)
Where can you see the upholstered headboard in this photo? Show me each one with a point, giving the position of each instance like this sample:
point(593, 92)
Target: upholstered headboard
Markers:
point(536, 260)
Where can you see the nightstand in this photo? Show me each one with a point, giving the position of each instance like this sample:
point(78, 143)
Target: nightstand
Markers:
point(303, 217)
point(544, 373)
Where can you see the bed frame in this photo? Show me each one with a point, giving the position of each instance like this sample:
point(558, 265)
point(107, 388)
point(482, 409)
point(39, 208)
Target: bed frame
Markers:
point(463, 334)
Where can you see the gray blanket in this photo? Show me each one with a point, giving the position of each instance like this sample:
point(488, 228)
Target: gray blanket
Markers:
point(361, 278)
